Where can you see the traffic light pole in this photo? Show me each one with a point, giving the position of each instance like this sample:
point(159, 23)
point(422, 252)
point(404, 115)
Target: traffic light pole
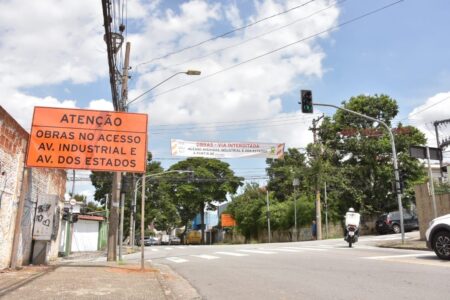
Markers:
point(394, 159)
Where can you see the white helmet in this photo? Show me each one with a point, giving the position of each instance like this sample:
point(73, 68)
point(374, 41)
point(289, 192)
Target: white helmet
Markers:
point(351, 209)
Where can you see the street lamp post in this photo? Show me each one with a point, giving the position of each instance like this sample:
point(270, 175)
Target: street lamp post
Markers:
point(188, 72)
point(142, 178)
point(295, 183)
point(394, 159)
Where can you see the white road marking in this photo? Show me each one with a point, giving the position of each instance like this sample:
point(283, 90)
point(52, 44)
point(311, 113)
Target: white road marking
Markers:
point(177, 259)
point(232, 253)
point(205, 256)
point(168, 248)
point(257, 251)
point(398, 256)
point(181, 247)
point(305, 248)
point(285, 250)
point(155, 250)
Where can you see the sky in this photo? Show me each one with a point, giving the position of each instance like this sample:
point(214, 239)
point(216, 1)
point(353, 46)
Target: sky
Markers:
point(53, 54)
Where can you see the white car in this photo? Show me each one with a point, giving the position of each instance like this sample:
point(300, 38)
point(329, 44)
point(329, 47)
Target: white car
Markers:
point(438, 236)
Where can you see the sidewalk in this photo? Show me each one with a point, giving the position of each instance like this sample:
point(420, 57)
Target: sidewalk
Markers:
point(411, 244)
point(95, 280)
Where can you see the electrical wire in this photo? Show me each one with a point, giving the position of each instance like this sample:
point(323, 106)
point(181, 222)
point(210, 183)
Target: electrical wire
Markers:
point(224, 34)
point(251, 39)
point(279, 49)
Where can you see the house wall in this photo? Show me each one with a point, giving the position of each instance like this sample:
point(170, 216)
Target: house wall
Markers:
point(13, 142)
point(424, 207)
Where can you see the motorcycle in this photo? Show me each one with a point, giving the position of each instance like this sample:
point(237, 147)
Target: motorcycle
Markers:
point(352, 235)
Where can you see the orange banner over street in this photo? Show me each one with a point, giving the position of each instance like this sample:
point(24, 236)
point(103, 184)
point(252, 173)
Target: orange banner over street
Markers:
point(88, 140)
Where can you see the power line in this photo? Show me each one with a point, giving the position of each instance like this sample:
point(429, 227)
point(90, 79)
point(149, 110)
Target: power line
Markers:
point(224, 34)
point(424, 109)
point(280, 48)
point(251, 39)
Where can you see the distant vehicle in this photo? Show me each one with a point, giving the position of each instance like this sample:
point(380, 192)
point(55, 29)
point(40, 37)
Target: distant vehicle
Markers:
point(174, 240)
point(438, 236)
point(194, 237)
point(148, 241)
point(390, 222)
point(165, 239)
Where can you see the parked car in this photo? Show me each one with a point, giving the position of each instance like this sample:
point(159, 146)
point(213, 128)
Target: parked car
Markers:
point(438, 236)
point(390, 222)
point(148, 241)
point(174, 240)
point(165, 239)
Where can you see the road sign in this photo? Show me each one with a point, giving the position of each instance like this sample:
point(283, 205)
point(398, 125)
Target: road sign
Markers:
point(421, 152)
point(88, 140)
point(73, 202)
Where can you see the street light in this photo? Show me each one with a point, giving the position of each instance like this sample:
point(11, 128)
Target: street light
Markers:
point(188, 72)
point(295, 183)
point(143, 204)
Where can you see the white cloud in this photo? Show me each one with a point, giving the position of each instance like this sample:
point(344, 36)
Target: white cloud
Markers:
point(434, 109)
point(250, 91)
point(101, 104)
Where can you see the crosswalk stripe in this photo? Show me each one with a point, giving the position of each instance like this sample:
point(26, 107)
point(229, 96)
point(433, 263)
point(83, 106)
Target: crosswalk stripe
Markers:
point(305, 248)
point(168, 248)
point(232, 253)
point(205, 256)
point(155, 250)
point(181, 247)
point(285, 250)
point(257, 251)
point(177, 259)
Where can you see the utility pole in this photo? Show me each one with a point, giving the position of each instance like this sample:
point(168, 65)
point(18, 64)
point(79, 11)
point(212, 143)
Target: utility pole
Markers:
point(124, 97)
point(295, 183)
point(268, 212)
point(314, 129)
point(133, 213)
point(325, 198)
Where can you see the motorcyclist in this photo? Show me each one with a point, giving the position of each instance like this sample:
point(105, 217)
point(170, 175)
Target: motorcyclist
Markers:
point(352, 218)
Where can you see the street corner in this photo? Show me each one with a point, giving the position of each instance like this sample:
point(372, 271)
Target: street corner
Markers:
point(174, 285)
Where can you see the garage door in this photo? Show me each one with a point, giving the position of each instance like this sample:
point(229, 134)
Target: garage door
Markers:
point(85, 236)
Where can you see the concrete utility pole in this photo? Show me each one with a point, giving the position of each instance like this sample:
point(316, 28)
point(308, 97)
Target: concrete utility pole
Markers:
point(430, 175)
point(268, 212)
point(439, 145)
point(19, 214)
point(394, 160)
point(325, 198)
point(142, 221)
point(295, 183)
point(133, 213)
point(314, 129)
point(124, 97)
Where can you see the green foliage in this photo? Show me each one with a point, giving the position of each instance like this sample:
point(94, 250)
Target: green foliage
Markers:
point(362, 154)
point(247, 209)
point(281, 173)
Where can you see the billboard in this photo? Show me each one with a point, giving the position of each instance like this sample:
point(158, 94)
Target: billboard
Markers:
point(210, 149)
point(227, 220)
point(88, 140)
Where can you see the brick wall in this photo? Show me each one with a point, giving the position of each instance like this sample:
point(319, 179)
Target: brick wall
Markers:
point(13, 140)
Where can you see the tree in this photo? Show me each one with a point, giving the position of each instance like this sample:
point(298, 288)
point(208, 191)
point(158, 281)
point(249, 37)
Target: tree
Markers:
point(211, 181)
point(361, 151)
point(281, 173)
point(247, 210)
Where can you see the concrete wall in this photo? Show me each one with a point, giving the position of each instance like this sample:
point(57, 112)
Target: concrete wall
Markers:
point(13, 140)
point(424, 207)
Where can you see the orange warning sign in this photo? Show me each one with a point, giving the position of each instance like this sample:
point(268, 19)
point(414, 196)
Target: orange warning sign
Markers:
point(88, 139)
point(227, 220)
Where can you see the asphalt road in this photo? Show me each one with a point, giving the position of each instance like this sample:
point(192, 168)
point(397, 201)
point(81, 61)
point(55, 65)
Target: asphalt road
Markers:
point(308, 270)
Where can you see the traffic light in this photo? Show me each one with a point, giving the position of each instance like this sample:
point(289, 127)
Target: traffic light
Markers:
point(65, 215)
point(74, 218)
point(444, 169)
point(307, 102)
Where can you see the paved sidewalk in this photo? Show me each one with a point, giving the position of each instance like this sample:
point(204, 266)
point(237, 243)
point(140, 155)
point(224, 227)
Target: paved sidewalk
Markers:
point(99, 280)
point(413, 244)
